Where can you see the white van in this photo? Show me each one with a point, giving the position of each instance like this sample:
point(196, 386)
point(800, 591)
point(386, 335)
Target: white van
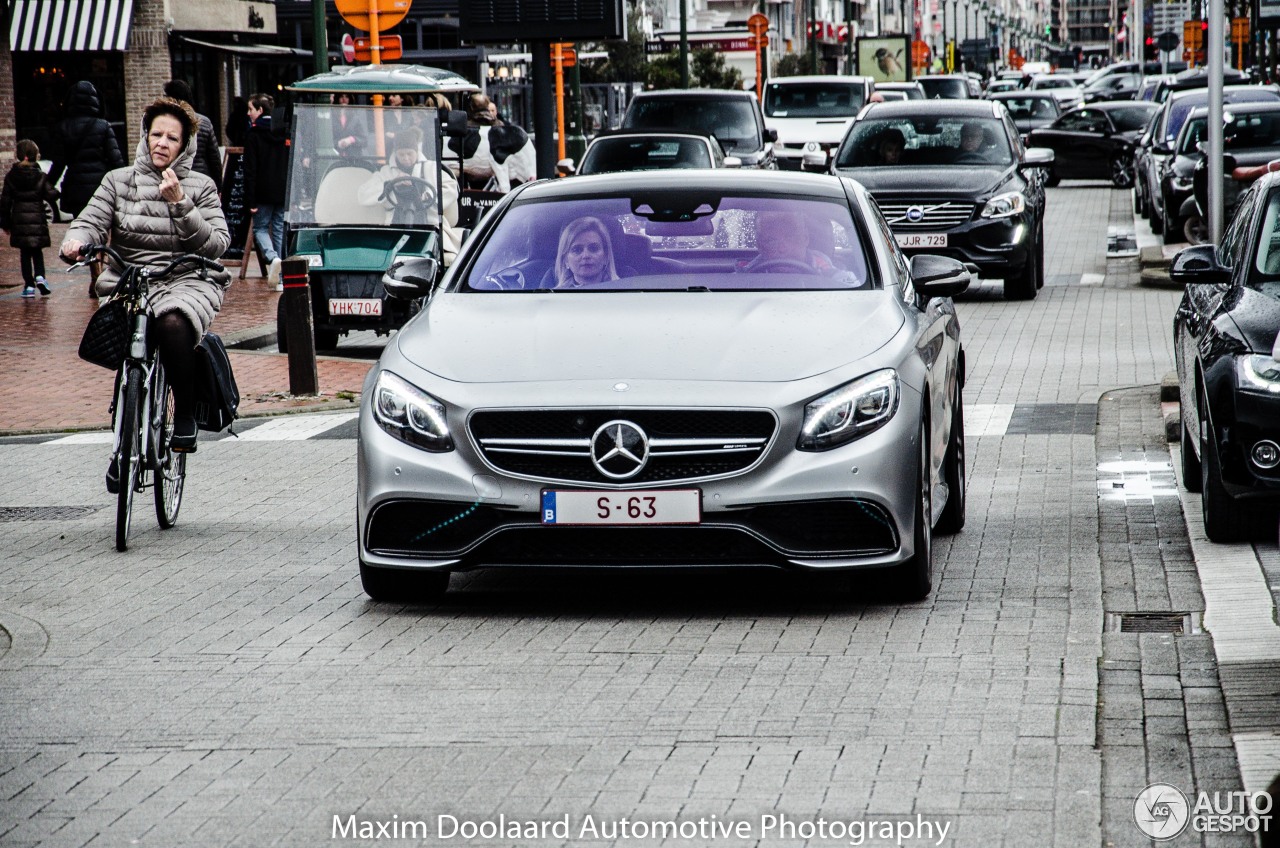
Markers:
point(810, 115)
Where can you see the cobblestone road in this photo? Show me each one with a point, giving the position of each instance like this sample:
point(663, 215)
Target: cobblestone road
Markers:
point(227, 682)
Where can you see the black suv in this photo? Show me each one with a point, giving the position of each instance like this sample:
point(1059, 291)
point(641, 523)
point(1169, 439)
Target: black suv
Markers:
point(962, 184)
point(732, 117)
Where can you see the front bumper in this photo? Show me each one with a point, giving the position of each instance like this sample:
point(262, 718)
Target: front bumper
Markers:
point(849, 507)
point(1252, 417)
point(1000, 247)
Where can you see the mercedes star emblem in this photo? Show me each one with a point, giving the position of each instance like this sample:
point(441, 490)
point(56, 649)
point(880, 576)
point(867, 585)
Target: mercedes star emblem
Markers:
point(619, 449)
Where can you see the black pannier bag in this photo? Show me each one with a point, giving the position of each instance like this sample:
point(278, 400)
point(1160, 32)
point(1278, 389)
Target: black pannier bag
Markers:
point(217, 395)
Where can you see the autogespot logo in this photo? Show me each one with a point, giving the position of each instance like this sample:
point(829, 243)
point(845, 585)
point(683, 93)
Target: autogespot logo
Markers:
point(1161, 811)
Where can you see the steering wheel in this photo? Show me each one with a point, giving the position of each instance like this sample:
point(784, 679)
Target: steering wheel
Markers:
point(970, 157)
point(404, 190)
point(780, 263)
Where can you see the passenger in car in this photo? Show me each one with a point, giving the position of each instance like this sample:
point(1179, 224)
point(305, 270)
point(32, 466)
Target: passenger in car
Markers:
point(889, 147)
point(782, 239)
point(585, 254)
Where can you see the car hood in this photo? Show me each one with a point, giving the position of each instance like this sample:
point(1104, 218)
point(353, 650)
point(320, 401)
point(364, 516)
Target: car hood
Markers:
point(801, 130)
point(711, 336)
point(930, 180)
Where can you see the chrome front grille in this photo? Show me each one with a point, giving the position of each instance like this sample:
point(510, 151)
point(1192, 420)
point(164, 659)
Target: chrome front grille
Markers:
point(684, 445)
point(937, 216)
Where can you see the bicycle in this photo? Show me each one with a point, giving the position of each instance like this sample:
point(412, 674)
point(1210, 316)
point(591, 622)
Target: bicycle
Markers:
point(142, 410)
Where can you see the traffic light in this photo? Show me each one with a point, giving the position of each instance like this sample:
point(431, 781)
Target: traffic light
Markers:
point(1150, 52)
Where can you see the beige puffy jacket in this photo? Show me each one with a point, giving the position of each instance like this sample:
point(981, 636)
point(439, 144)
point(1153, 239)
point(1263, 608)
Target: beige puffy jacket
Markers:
point(148, 230)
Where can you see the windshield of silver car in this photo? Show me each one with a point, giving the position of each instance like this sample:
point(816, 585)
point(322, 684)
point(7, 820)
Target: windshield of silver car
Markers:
point(673, 241)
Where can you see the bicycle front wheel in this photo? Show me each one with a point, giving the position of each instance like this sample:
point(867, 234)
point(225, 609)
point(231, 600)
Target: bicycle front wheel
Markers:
point(131, 458)
point(170, 467)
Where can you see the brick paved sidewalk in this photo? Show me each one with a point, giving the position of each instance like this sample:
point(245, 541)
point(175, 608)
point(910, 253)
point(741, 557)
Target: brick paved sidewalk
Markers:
point(45, 386)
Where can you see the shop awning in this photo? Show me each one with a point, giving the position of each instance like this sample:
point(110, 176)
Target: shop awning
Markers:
point(261, 51)
point(36, 25)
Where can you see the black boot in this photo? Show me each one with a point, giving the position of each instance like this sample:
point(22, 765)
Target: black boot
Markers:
point(183, 439)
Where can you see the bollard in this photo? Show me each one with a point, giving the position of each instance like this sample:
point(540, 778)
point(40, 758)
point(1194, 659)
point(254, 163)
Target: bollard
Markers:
point(299, 328)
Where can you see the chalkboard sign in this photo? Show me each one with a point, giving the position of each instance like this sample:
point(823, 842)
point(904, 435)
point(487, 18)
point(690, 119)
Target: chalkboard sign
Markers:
point(234, 207)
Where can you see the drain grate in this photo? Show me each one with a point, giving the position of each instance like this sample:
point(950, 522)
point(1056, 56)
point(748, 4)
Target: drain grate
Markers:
point(1177, 623)
point(44, 513)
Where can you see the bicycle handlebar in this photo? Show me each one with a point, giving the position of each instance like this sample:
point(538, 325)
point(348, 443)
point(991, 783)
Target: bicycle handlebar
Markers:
point(90, 250)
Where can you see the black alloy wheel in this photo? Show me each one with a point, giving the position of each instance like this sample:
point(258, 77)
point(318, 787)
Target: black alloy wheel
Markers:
point(1121, 171)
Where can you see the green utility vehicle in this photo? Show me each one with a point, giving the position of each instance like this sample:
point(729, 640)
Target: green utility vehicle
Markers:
point(368, 188)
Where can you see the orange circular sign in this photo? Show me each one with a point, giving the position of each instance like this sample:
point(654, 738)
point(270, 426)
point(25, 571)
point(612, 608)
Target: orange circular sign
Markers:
point(757, 24)
point(390, 12)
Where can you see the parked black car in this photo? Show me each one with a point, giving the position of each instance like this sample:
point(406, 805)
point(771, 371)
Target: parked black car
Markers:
point(962, 186)
point(1251, 136)
point(1094, 142)
point(733, 117)
point(1151, 164)
point(1030, 110)
point(1224, 334)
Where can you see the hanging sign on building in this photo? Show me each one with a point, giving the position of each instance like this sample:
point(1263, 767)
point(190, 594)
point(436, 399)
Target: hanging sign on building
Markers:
point(251, 17)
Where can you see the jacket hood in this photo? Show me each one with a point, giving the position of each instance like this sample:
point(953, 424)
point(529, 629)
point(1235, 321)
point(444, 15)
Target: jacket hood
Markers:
point(83, 100)
point(181, 166)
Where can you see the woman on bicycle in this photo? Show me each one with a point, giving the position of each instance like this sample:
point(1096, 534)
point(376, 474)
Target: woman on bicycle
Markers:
point(151, 210)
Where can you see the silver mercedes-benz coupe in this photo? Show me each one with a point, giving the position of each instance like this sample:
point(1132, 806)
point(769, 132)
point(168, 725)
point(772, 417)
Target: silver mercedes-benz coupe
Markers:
point(697, 368)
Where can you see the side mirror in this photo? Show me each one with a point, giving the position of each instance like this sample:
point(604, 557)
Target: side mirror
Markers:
point(1038, 156)
point(732, 162)
point(566, 168)
point(410, 279)
point(770, 135)
point(1199, 265)
point(938, 276)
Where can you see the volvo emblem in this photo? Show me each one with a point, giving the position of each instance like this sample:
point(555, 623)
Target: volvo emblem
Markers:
point(619, 449)
point(915, 214)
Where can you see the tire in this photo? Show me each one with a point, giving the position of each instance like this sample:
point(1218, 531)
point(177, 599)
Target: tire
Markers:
point(1053, 179)
point(913, 579)
point(326, 340)
point(1156, 219)
point(951, 520)
point(403, 585)
point(1040, 258)
point(170, 471)
point(1024, 285)
point(1195, 229)
point(130, 459)
point(1139, 199)
point(1121, 172)
point(1225, 519)
point(1172, 227)
point(1191, 480)
point(282, 340)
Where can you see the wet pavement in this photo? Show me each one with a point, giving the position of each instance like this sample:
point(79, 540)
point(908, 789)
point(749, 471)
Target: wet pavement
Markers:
point(45, 386)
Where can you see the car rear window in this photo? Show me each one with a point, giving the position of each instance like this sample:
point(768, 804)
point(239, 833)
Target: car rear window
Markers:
point(946, 89)
point(731, 121)
point(608, 155)
point(673, 241)
point(812, 99)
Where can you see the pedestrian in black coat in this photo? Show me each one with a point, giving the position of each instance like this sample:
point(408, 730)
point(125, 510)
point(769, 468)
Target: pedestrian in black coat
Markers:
point(26, 190)
point(208, 158)
point(84, 147)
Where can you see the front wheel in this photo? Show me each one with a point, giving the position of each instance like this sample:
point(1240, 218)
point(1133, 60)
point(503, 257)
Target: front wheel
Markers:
point(130, 458)
point(1053, 179)
point(1190, 462)
point(1121, 172)
point(913, 579)
point(1196, 229)
point(951, 520)
point(1025, 284)
point(170, 471)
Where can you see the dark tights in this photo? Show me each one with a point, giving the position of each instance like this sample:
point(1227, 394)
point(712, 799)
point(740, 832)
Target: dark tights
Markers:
point(175, 339)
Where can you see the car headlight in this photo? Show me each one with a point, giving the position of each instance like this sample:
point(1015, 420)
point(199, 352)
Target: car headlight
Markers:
point(1004, 205)
point(410, 414)
point(1258, 373)
point(849, 412)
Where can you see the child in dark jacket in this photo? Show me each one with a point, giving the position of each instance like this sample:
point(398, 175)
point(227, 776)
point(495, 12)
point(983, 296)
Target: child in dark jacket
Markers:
point(26, 189)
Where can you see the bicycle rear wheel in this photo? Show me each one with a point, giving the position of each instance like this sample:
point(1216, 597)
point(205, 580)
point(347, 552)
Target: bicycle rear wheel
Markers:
point(130, 461)
point(170, 469)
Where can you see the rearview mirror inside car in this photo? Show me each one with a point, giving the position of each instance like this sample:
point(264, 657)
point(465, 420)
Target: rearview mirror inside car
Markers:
point(1199, 265)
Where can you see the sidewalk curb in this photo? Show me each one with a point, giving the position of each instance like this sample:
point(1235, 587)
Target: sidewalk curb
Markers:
point(251, 338)
point(326, 406)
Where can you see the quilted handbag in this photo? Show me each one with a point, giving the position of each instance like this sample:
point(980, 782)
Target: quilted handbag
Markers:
point(106, 338)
